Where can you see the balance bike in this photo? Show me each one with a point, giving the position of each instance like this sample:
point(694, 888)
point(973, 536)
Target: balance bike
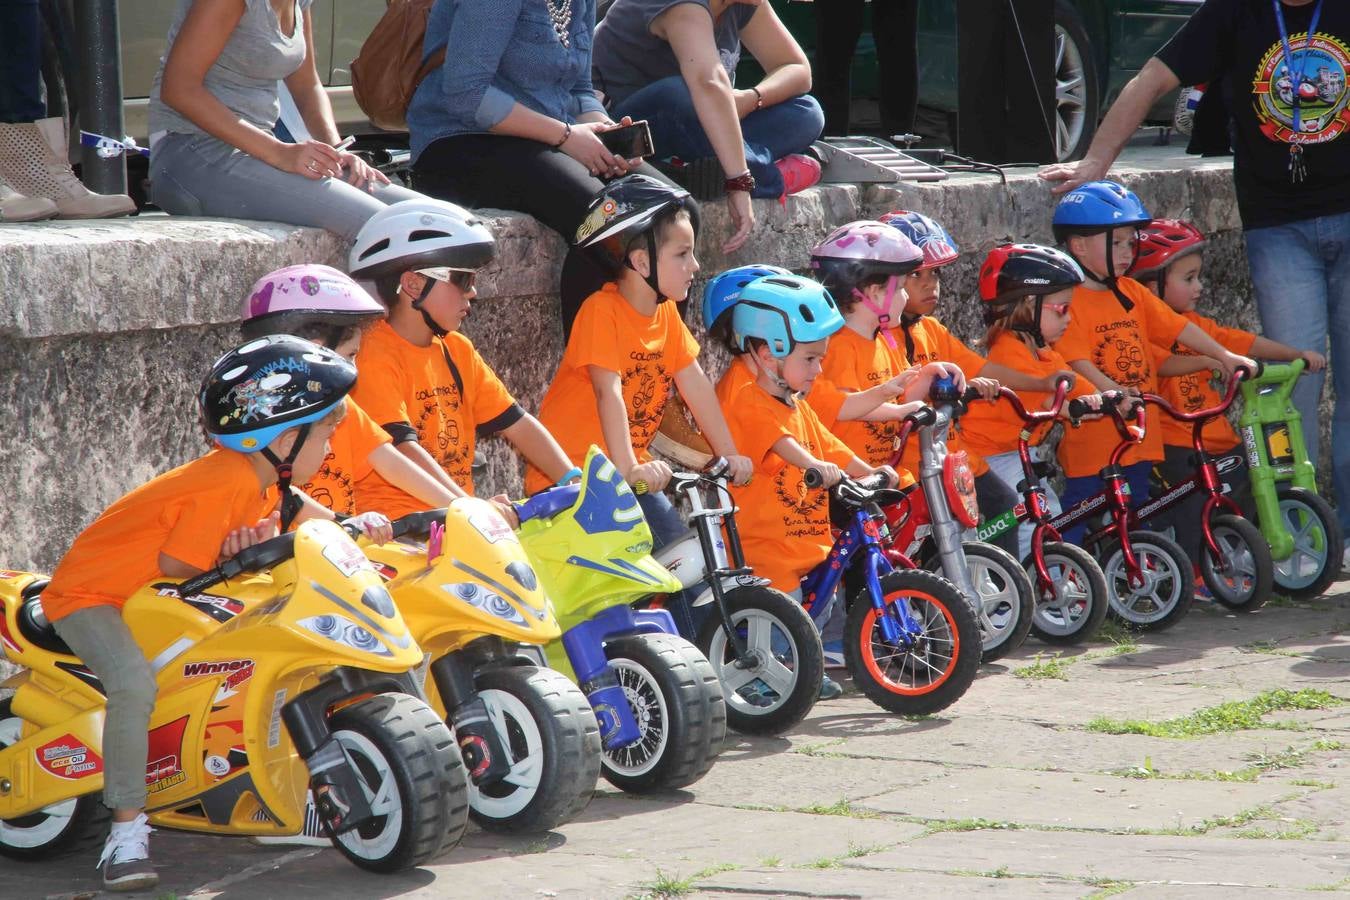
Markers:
point(1071, 598)
point(1302, 530)
point(269, 686)
point(761, 643)
point(911, 640)
point(529, 738)
point(662, 717)
point(1148, 578)
point(1235, 560)
point(927, 525)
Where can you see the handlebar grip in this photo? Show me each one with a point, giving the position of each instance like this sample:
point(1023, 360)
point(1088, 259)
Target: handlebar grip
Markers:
point(1078, 408)
point(812, 478)
point(640, 487)
point(717, 467)
point(198, 583)
point(924, 415)
point(969, 395)
point(418, 522)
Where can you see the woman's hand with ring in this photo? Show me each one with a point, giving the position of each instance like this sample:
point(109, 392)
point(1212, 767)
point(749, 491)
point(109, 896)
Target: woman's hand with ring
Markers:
point(312, 159)
point(585, 146)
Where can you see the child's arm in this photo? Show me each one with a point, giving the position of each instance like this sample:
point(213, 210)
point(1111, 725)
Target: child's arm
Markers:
point(889, 412)
point(1020, 381)
point(534, 442)
point(614, 429)
point(1265, 348)
point(419, 457)
point(1194, 338)
point(859, 469)
point(404, 474)
point(1095, 375)
point(701, 398)
point(794, 454)
point(1184, 364)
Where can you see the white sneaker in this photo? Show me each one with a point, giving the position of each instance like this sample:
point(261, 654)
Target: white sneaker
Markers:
point(1345, 558)
point(126, 857)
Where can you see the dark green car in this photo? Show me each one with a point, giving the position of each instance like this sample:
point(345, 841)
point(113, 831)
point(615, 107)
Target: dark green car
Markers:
point(1099, 46)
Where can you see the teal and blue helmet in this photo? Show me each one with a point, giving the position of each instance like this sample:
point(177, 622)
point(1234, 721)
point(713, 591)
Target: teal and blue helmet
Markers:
point(783, 311)
point(724, 289)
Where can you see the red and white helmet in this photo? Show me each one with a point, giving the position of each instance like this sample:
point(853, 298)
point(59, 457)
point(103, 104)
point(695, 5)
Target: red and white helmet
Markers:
point(285, 301)
point(1163, 242)
point(860, 250)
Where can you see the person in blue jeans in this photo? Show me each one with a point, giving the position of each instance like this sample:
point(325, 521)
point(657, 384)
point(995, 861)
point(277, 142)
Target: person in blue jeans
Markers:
point(673, 62)
point(1291, 169)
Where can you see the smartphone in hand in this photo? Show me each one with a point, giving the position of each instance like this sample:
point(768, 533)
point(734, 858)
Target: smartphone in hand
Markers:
point(630, 141)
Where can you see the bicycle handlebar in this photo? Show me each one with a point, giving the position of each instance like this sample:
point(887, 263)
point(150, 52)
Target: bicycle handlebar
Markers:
point(1241, 374)
point(251, 559)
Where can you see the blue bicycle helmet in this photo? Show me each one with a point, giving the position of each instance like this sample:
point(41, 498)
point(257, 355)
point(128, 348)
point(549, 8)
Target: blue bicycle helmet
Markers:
point(783, 311)
point(724, 289)
point(1096, 207)
point(1100, 207)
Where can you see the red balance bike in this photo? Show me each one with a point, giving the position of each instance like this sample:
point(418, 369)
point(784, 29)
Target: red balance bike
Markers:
point(1070, 589)
point(1148, 578)
point(926, 528)
point(1235, 560)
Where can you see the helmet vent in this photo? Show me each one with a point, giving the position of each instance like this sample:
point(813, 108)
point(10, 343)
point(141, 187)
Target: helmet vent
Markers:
point(378, 247)
point(426, 235)
point(806, 313)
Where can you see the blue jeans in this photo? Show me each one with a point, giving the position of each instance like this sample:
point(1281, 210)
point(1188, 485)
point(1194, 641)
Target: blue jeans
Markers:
point(1301, 273)
point(20, 62)
point(667, 527)
point(1076, 490)
point(769, 134)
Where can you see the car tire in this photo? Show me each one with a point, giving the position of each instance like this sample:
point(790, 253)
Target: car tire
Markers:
point(1077, 85)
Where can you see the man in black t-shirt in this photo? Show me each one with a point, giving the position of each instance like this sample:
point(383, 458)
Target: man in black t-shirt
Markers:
point(1291, 168)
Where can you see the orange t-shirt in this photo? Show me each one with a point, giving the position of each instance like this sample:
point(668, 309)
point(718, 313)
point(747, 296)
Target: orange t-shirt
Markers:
point(1117, 343)
point(646, 352)
point(784, 526)
point(403, 386)
point(185, 513)
point(992, 428)
point(932, 342)
point(1192, 392)
point(348, 461)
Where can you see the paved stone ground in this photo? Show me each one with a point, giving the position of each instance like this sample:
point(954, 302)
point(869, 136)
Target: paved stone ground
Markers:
point(1007, 794)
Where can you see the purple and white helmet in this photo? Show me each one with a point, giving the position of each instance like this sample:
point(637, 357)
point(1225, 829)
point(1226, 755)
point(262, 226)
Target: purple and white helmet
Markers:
point(285, 301)
point(861, 250)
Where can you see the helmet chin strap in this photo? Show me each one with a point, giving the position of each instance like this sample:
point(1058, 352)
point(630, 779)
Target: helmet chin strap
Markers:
point(775, 377)
point(290, 503)
point(417, 304)
point(882, 310)
point(1110, 279)
point(1034, 329)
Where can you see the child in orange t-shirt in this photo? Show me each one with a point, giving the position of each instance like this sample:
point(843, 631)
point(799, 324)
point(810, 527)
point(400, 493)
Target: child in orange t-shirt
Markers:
point(863, 265)
point(1027, 290)
point(928, 340)
point(323, 305)
point(421, 379)
point(178, 525)
point(629, 347)
point(1108, 340)
point(1169, 265)
point(783, 323)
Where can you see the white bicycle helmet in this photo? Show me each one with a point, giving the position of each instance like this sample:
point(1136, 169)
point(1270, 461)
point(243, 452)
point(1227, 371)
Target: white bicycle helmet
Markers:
point(420, 234)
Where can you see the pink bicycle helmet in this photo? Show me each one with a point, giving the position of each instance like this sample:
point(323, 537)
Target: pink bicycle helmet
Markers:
point(291, 299)
point(860, 250)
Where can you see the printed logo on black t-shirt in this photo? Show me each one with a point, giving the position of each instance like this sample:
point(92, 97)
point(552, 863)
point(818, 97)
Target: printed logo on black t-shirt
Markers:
point(1321, 90)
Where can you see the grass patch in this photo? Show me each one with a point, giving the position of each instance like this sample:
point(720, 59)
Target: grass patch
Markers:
point(939, 826)
point(664, 886)
point(1337, 886)
point(1260, 763)
point(1000, 872)
point(1298, 830)
point(1236, 715)
point(819, 750)
point(1054, 667)
point(771, 862)
point(1114, 632)
point(840, 807)
point(1107, 888)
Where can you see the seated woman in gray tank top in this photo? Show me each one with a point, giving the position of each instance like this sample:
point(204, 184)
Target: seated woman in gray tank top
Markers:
point(214, 105)
point(673, 63)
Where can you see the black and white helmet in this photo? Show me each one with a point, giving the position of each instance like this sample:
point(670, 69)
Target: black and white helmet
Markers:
point(420, 234)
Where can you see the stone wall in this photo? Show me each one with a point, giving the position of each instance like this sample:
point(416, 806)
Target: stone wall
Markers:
point(106, 328)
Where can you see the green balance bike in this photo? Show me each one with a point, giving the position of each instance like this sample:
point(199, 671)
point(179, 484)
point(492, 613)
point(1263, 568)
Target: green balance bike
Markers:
point(1301, 528)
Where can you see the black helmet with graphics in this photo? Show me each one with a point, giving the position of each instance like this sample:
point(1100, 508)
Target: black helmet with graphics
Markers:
point(623, 211)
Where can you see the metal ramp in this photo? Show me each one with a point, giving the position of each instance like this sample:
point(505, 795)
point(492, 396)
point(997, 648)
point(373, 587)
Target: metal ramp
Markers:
point(870, 160)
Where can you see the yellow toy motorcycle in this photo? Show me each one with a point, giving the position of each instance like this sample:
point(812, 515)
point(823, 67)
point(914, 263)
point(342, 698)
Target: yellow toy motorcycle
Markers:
point(269, 685)
point(469, 595)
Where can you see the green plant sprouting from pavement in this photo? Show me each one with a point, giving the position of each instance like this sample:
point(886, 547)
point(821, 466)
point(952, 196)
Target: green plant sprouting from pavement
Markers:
point(1235, 715)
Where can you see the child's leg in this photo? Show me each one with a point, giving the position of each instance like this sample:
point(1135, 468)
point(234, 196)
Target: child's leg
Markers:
point(1239, 481)
point(1184, 518)
point(102, 641)
point(668, 526)
point(1007, 467)
point(1076, 490)
point(995, 498)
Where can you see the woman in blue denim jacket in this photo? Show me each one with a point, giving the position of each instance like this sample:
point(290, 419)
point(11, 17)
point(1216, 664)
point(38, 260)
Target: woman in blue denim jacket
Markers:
point(510, 119)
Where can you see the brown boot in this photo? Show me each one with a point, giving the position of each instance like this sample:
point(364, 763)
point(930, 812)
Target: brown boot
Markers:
point(15, 207)
point(33, 159)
